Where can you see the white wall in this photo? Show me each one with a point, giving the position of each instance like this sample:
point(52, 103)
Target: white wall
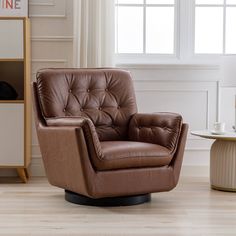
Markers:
point(228, 106)
point(52, 46)
point(187, 89)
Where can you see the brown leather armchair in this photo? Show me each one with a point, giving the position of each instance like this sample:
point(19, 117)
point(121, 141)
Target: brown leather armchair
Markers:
point(96, 146)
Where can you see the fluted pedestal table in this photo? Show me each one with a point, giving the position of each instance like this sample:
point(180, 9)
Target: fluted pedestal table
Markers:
point(222, 161)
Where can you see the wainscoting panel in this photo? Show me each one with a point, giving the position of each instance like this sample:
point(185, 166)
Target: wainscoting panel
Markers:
point(228, 106)
point(173, 100)
point(52, 50)
point(52, 47)
point(191, 90)
point(51, 8)
point(41, 3)
point(47, 63)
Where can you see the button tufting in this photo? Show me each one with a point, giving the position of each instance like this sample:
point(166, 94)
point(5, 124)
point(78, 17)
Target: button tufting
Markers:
point(64, 109)
point(106, 89)
point(88, 90)
point(70, 91)
point(81, 109)
point(100, 108)
point(118, 107)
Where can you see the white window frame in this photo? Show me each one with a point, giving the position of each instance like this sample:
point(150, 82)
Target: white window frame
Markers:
point(184, 42)
point(187, 53)
point(150, 58)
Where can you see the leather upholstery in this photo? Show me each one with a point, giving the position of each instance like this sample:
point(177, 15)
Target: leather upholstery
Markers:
point(89, 130)
point(112, 155)
point(126, 154)
point(76, 160)
point(105, 96)
point(159, 128)
point(177, 160)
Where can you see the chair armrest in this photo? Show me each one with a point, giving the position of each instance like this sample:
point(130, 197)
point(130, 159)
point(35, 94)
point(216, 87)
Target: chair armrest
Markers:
point(65, 157)
point(159, 128)
point(91, 137)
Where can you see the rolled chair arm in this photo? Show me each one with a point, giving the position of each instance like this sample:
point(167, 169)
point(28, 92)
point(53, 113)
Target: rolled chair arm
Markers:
point(65, 157)
point(88, 128)
point(159, 128)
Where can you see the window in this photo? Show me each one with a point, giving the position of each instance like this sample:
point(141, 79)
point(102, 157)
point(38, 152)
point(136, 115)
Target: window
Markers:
point(215, 24)
point(146, 27)
point(174, 31)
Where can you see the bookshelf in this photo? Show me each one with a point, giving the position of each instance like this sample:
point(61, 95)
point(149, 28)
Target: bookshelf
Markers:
point(15, 121)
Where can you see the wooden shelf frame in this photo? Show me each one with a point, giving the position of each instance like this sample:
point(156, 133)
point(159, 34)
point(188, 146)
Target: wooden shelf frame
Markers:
point(11, 60)
point(12, 101)
point(27, 98)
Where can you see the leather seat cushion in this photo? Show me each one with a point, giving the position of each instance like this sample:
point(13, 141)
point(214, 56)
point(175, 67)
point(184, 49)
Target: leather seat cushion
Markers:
point(127, 154)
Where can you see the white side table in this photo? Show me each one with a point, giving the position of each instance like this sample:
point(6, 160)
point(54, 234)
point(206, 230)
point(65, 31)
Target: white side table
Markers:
point(222, 161)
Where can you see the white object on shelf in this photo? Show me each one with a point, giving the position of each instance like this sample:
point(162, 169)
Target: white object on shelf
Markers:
point(219, 128)
point(228, 72)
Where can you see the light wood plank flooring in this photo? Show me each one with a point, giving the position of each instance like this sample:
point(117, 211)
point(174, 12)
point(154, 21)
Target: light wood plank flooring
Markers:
point(192, 209)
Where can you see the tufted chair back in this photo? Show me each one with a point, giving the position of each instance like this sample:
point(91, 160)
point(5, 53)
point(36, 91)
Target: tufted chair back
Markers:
point(106, 96)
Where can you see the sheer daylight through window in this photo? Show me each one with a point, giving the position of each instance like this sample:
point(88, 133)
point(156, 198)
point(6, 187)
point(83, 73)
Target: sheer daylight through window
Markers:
point(174, 31)
point(145, 26)
point(215, 24)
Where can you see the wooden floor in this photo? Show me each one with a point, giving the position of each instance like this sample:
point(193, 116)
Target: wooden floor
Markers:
point(191, 209)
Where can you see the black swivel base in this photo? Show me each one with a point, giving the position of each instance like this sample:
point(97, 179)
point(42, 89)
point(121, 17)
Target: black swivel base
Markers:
point(106, 202)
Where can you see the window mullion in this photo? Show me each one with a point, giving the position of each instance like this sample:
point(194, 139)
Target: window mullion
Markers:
point(144, 26)
point(177, 29)
point(224, 26)
point(116, 29)
point(155, 53)
point(185, 46)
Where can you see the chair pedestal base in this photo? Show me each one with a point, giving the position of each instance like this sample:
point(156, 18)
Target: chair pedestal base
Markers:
point(106, 202)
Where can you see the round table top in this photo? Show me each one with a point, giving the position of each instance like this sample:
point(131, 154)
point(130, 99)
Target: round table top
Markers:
point(228, 135)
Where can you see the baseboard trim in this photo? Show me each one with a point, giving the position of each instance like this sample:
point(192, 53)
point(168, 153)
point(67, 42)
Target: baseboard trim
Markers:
point(195, 171)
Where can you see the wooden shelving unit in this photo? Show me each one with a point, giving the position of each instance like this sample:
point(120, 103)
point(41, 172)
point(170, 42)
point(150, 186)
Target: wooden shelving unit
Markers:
point(15, 114)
